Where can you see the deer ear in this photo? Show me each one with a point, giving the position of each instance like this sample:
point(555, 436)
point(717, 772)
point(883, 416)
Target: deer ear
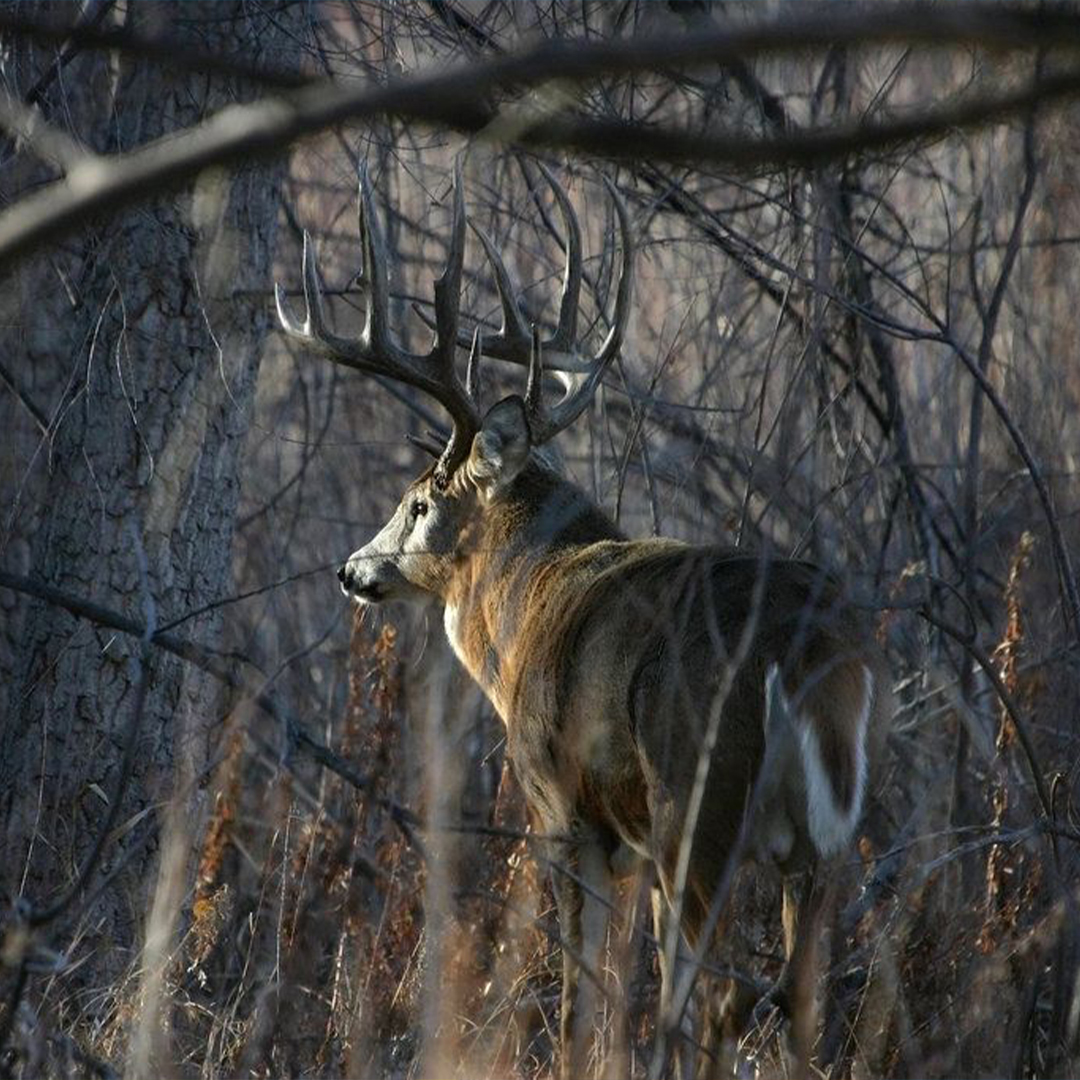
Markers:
point(500, 448)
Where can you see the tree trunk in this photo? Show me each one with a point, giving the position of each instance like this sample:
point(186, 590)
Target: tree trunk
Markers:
point(162, 325)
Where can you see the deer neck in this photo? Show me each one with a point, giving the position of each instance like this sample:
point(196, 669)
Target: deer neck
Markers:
point(514, 548)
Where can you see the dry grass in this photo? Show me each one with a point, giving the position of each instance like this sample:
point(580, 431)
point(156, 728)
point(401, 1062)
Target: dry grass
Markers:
point(305, 948)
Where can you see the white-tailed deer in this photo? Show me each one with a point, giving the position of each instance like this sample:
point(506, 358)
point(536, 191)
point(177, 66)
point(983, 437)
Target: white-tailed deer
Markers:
point(691, 706)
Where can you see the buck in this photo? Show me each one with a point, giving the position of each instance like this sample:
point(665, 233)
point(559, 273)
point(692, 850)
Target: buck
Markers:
point(691, 706)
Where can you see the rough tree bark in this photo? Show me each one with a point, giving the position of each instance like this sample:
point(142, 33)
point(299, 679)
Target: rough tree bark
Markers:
point(161, 326)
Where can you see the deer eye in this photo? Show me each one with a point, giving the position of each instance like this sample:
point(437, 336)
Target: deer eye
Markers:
point(418, 509)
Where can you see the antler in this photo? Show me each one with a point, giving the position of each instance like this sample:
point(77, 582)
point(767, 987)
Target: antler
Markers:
point(433, 372)
point(375, 351)
point(519, 344)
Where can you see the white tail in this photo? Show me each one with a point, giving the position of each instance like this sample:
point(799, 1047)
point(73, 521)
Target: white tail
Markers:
point(836, 782)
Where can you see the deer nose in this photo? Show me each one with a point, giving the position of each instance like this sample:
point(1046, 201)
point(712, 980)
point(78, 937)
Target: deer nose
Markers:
point(343, 573)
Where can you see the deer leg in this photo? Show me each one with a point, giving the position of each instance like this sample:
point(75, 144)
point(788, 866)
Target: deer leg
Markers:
point(681, 1050)
point(667, 966)
point(801, 944)
point(802, 905)
point(727, 1006)
point(568, 899)
point(583, 897)
point(805, 899)
point(669, 1041)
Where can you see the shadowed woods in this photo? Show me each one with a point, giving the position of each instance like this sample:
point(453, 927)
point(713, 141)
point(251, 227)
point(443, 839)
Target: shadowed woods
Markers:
point(713, 701)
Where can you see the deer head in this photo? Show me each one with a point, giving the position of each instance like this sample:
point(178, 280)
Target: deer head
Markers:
point(413, 554)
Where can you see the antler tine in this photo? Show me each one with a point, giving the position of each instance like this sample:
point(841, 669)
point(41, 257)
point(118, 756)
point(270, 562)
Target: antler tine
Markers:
point(284, 313)
point(313, 320)
point(374, 264)
point(613, 342)
point(545, 424)
point(472, 371)
point(460, 402)
point(448, 286)
point(580, 387)
point(563, 338)
point(512, 340)
point(534, 389)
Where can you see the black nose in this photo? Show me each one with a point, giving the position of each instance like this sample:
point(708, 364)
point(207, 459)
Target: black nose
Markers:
point(343, 573)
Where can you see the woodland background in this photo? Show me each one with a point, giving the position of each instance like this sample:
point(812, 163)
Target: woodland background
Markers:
point(247, 832)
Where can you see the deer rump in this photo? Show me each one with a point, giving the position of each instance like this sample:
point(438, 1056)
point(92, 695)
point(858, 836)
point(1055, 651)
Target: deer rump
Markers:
point(619, 689)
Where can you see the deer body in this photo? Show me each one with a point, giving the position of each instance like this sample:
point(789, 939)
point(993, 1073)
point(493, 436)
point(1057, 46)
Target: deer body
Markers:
point(689, 706)
point(604, 657)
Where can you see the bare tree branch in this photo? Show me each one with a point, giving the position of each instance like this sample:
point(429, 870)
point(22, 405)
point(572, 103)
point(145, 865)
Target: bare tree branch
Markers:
point(26, 125)
point(87, 33)
point(459, 99)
